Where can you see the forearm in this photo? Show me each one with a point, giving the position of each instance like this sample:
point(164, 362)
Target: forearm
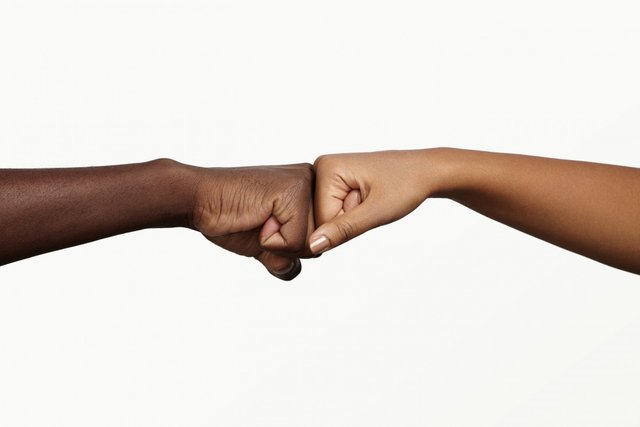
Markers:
point(589, 208)
point(42, 210)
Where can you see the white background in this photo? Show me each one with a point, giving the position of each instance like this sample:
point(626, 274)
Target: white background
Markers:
point(445, 318)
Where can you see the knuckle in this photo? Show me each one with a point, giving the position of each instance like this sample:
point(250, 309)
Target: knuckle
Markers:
point(302, 170)
point(323, 161)
point(310, 174)
point(307, 166)
point(346, 230)
point(319, 160)
point(306, 175)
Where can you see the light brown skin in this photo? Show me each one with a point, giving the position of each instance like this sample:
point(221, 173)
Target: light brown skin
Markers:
point(588, 208)
point(261, 212)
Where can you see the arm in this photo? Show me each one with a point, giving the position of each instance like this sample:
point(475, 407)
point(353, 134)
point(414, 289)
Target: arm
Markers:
point(241, 209)
point(588, 208)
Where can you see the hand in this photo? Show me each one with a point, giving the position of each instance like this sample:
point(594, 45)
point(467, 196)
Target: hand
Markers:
point(358, 192)
point(260, 212)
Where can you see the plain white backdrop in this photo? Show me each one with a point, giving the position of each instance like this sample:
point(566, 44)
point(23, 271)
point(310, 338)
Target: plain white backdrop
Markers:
point(445, 318)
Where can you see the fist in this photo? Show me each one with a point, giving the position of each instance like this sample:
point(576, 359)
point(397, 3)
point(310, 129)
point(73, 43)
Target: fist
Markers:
point(262, 212)
point(357, 192)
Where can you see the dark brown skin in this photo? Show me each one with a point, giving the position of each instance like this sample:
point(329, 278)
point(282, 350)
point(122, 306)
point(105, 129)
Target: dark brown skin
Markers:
point(261, 212)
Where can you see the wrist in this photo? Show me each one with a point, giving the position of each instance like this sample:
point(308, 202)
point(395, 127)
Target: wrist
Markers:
point(447, 171)
point(175, 186)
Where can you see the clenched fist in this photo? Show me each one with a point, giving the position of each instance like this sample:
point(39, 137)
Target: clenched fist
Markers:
point(260, 212)
point(360, 191)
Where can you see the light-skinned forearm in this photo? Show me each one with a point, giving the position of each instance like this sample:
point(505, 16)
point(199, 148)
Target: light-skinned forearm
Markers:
point(589, 208)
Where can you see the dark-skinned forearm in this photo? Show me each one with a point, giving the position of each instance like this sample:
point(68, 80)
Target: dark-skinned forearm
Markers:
point(42, 210)
point(589, 208)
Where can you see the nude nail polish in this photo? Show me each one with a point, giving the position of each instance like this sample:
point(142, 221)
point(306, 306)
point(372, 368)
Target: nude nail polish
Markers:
point(319, 245)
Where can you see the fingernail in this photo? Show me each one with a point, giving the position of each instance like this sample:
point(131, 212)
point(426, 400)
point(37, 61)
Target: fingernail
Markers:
point(319, 245)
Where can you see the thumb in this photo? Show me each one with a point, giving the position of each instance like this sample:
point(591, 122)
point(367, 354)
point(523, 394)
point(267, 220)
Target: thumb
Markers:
point(279, 266)
point(344, 227)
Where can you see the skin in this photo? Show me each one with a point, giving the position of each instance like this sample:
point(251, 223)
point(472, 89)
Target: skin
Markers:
point(268, 212)
point(261, 212)
point(588, 208)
